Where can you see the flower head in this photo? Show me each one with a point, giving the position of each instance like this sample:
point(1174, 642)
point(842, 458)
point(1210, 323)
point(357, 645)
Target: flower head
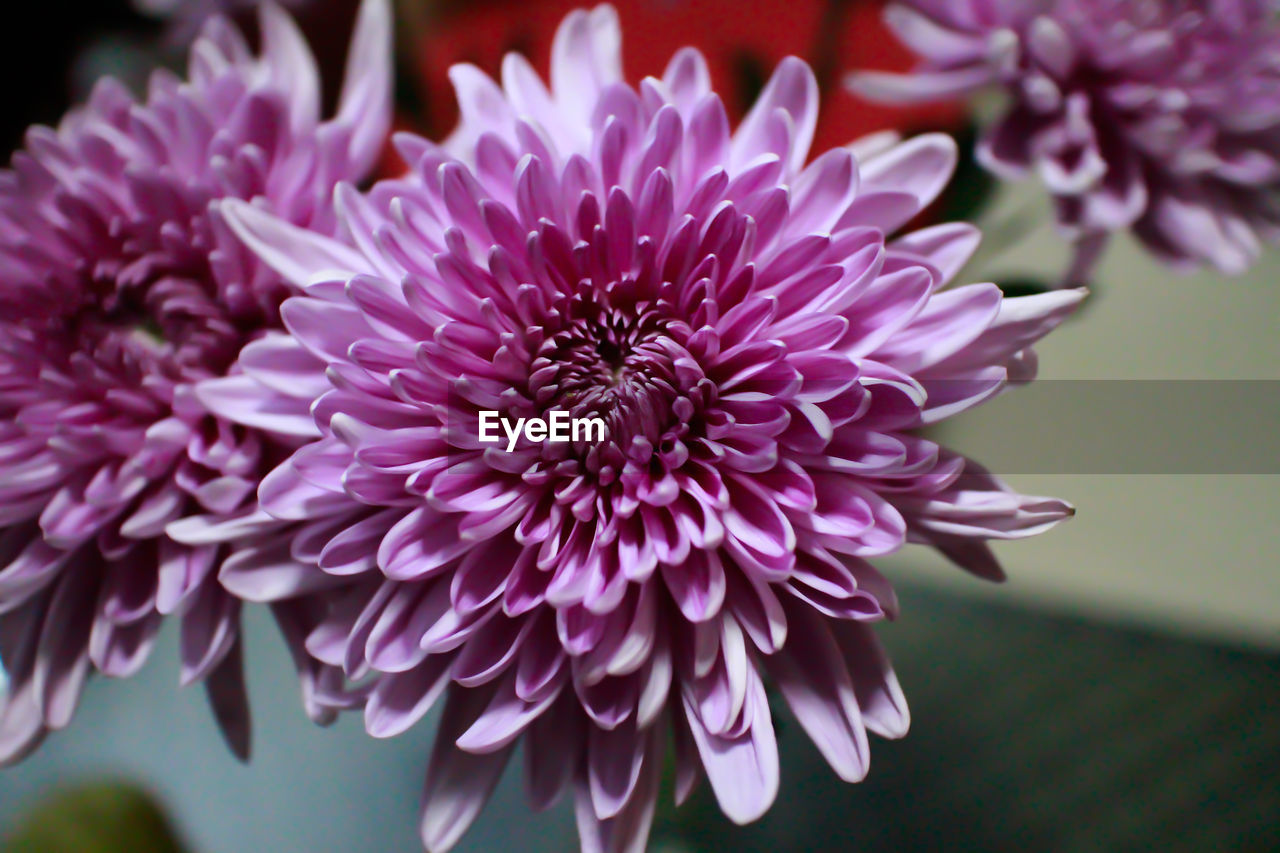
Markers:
point(1158, 115)
point(759, 355)
point(121, 287)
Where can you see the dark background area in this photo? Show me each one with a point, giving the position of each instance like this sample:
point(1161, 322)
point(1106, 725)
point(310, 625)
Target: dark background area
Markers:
point(49, 60)
point(1033, 732)
point(39, 47)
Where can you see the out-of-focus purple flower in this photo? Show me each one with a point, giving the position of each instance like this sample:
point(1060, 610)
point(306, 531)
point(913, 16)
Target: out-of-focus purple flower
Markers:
point(1158, 115)
point(760, 356)
point(185, 17)
point(120, 288)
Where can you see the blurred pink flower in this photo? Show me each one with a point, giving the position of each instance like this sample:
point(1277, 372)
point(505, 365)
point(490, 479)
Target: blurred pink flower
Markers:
point(1161, 116)
point(121, 287)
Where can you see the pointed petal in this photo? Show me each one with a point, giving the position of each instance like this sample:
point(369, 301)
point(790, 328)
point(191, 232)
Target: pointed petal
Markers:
point(812, 675)
point(300, 256)
point(458, 783)
point(364, 106)
point(743, 770)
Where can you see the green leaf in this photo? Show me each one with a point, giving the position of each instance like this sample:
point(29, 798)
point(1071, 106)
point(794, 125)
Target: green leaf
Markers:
point(99, 817)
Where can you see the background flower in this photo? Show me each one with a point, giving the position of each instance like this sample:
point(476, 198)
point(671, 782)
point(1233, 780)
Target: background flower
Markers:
point(1163, 117)
point(121, 286)
point(761, 356)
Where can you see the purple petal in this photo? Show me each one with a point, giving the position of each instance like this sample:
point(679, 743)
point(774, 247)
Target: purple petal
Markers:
point(812, 675)
point(458, 783)
point(744, 769)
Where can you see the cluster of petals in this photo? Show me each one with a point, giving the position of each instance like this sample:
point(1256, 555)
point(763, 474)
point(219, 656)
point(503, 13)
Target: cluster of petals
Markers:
point(762, 350)
point(121, 289)
point(1161, 116)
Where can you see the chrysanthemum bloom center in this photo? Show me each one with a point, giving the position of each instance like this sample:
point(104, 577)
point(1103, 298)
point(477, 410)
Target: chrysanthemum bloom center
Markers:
point(171, 327)
point(622, 362)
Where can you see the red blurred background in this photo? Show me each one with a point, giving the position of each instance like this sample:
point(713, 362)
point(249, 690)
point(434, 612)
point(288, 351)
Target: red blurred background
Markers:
point(742, 39)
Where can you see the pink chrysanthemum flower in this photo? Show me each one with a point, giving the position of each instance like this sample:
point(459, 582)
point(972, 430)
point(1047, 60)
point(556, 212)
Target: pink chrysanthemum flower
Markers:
point(1158, 115)
point(760, 357)
point(120, 288)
